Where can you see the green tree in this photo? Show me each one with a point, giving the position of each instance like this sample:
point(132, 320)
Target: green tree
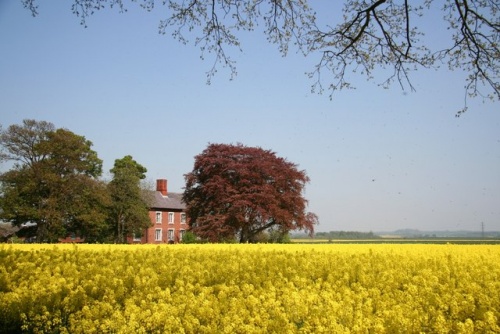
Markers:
point(278, 236)
point(129, 209)
point(20, 143)
point(237, 192)
point(53, 184)
point(369, 35)
point(189, 238)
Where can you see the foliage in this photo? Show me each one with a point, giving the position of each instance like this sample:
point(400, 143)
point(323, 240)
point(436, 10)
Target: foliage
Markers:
point(249, 289)
point(239, 191)
point(371, 35)
point(20, 143)
point(129, 209)
point(53, 183)
point(189, 238)
point(279, 237)
point(273, 236)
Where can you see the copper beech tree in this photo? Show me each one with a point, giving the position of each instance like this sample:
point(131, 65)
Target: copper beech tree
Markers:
point(237, 192)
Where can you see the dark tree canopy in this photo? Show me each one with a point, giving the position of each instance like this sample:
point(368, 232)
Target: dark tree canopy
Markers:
point(53, 183)
point(235, 191)
point(376, 34)
point(129, 210)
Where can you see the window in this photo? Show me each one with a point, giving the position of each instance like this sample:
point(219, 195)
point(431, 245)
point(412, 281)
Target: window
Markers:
point(158, 217)
point(158, 234)
point(137, 237)
point(170, 234)
point(181, 234)
point(183, 218)
point(170, 217)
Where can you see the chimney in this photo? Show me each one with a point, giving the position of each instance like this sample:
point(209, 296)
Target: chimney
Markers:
point(161, 186)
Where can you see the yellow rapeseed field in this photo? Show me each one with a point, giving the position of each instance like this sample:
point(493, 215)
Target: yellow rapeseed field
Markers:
point(295, 288)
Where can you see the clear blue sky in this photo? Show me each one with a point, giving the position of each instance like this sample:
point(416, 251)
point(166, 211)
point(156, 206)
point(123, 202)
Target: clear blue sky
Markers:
point(378, 159)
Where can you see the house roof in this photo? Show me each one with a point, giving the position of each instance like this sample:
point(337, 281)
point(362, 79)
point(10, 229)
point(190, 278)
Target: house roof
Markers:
point(172, 201)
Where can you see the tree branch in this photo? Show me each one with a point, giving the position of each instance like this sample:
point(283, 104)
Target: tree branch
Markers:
point(375, 34)
point(366, 22)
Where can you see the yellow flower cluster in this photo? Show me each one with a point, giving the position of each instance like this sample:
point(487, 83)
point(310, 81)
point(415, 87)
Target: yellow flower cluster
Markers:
point(250, 289)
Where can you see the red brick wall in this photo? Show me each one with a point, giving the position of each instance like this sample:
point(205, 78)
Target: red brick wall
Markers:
point(150, 235)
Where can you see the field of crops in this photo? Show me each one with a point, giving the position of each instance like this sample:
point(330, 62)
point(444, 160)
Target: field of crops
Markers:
point(250, 289)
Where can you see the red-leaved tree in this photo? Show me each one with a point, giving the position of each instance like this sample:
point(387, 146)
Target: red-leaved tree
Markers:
point(235, 191)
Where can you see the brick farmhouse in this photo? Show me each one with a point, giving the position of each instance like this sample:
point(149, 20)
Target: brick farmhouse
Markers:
point(168, 217)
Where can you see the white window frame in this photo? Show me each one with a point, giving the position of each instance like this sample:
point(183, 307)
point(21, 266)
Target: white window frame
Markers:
point(181, 234)
point(171, 234)
point(137, 238)
point(171, 217)
point(158, 234)
point(183, 218)
point(158, 217)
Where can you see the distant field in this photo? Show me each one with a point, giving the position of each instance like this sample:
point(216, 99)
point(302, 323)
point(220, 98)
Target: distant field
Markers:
point(293, 288)
point(401, 240)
